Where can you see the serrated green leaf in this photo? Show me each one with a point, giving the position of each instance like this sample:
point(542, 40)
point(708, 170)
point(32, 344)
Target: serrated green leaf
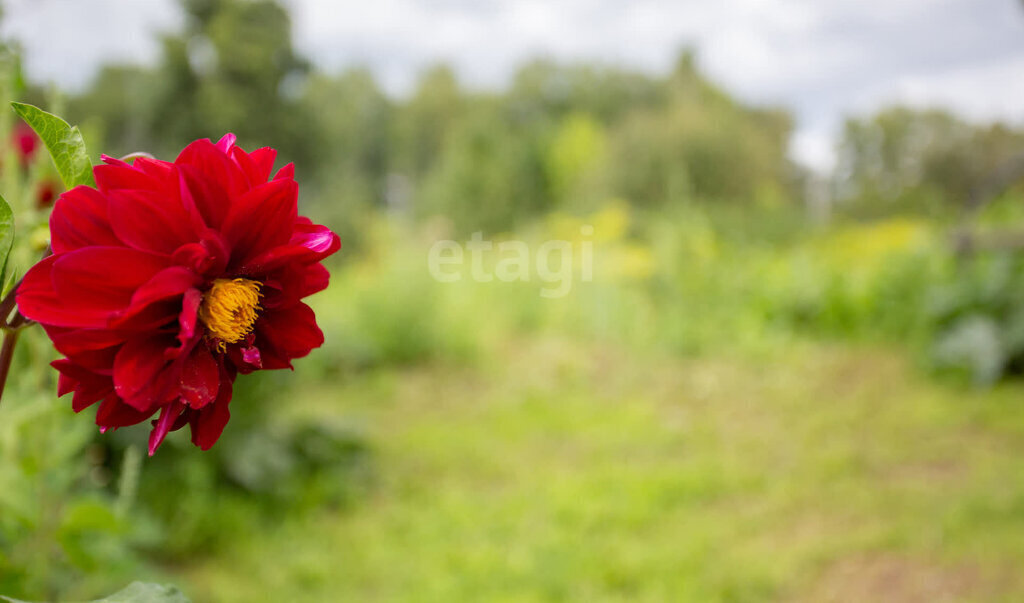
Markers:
point(63, 141)
point(136, 592)
point(6, 236)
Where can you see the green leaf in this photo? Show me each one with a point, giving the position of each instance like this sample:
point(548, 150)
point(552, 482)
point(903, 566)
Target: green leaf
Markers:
point(65, 143)
point(6, 236)
point(86, 529)
point(145, 592)
point(136, 592)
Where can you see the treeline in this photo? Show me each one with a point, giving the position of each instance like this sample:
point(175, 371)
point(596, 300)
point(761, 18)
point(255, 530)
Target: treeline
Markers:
point(565, 136)
point(560, 136)
point(926, 160)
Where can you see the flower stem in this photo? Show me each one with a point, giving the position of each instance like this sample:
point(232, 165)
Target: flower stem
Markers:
point(7, 354)
point(12, 327)
point(7, 303)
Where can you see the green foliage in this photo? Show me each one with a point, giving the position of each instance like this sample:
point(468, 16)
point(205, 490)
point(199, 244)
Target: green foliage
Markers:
point(575, 157)
point(118, 107)
point(423, 125)
point(136, 592)
point(928, 161)
point(701, 248)
point(142, 592)
point(979, 319)
point(543, 89)
point(64, 142)
point(561, 136)
point(267, 463)
point(563, 470)
point(232, 68)
point(350, 176)
point(6, 238)
point(62, 537)
point(490, 177)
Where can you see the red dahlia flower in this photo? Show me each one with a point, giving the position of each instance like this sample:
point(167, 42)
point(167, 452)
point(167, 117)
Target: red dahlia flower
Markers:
point(25, 141)
point(169, 279)
point(46, 193)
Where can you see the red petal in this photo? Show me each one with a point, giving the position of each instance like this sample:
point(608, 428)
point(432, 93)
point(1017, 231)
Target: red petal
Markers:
point(91, 393)
point(162, 172)
point(150, 221)
point(168, 415)
point(136, 368)
point(97, 280)
point(207, 196)
point(256, 165)
point(38, 301)
point(208, 423)
point(226, 142)
point(65, 384)
point(169, 282)
point(315, 279)
point(200, 378)
point(157, 302)
point(208, 257)
point(91, 349)
point(88, 387)
point(71, 342)
point(215, 166)
point(251, 356)
point(117, 175)
point(286, 173)
point(113, 412)
point(285, 334)
point(80, 219)
point(157, 316)
point(189, 317)
point(262, 161)
point(308, 243)
point(289, 284)
point(261, 219)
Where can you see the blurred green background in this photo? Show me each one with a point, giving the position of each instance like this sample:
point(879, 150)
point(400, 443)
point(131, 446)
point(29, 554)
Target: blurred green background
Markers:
point(778, 384)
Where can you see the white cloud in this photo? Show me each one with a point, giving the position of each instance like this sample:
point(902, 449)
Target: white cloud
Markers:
point(823, 58)
point(66, 40)
point(981, 93)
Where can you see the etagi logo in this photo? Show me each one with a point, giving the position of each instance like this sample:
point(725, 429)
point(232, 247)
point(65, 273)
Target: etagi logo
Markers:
point(554, 261)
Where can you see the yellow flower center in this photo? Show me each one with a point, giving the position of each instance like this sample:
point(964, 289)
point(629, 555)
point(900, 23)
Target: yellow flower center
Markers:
point(229, 309)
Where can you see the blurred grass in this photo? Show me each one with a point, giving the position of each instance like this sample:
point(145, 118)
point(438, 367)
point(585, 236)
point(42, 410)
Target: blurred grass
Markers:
point(732, 410)
point(556, 471)
point(725, 413)
point(719, 416)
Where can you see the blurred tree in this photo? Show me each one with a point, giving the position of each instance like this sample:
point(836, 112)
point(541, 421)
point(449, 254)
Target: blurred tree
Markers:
point(353, 118)
point(700, 144)
point(907, 157)
point(490, 177)
point(575, 160)
point(232, 68)
point(545, 89)
point(119, 105)
point(562, 135)
point(423, 123)
point(580, 135)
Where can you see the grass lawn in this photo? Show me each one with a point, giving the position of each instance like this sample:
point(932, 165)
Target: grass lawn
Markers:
point(562, 472)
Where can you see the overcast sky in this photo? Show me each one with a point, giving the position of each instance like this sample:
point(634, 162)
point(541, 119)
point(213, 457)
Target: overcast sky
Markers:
point(822, 58)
